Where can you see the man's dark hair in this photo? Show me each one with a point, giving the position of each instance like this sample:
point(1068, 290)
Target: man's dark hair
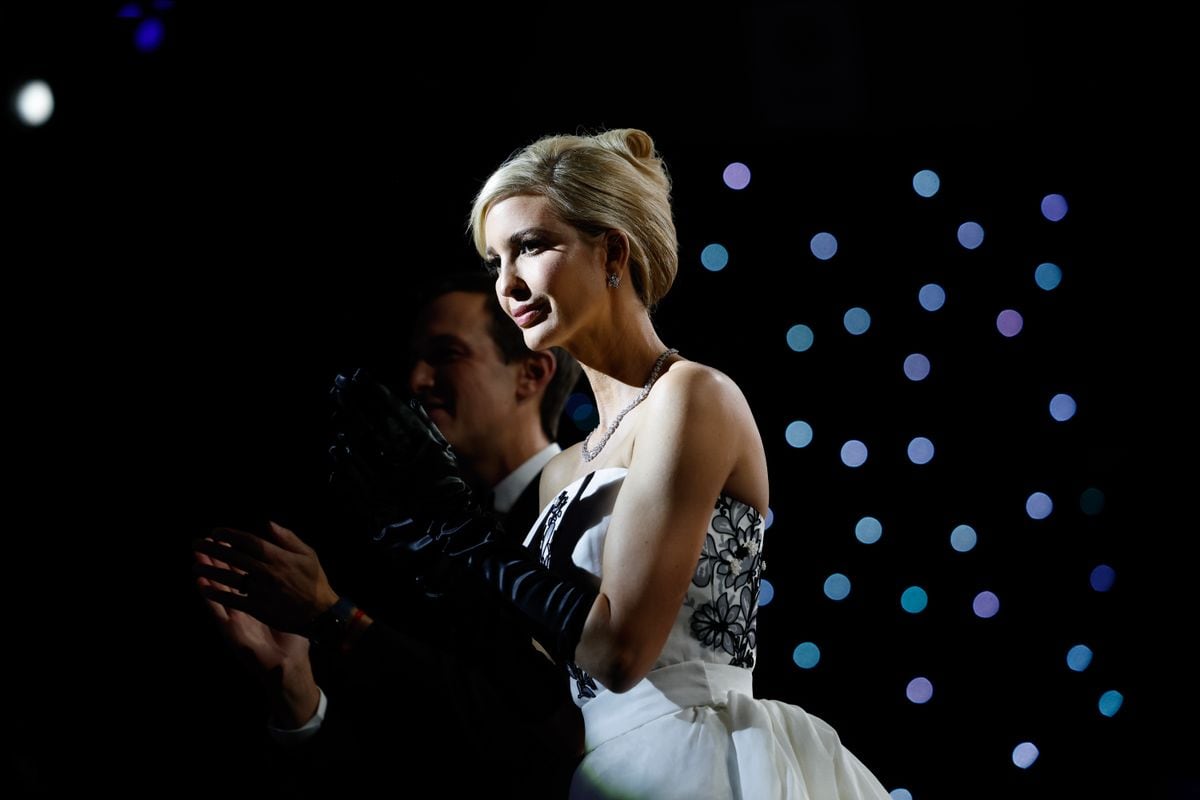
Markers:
point(511, 342)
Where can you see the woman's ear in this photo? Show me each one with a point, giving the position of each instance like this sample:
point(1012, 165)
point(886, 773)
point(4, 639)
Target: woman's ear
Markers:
point(616, 245)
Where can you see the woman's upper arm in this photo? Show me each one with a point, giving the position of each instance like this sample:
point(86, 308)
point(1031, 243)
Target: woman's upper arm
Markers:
point(685, 450)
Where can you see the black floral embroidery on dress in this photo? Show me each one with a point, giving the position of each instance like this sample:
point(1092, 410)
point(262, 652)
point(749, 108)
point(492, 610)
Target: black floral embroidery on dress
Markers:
point(730, 567)
point(546, 535)
point(585, 683)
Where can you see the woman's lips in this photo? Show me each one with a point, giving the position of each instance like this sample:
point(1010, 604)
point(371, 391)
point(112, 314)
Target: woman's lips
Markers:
point(528, 315)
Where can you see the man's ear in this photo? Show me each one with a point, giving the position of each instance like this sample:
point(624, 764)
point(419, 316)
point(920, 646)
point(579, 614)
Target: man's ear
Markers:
point(537, 369)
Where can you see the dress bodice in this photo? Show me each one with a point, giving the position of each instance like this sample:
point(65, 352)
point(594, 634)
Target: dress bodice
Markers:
point(716, 622)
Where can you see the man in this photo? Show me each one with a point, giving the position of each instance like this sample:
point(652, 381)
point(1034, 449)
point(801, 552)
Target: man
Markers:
point(497, 402)
point(484, 709)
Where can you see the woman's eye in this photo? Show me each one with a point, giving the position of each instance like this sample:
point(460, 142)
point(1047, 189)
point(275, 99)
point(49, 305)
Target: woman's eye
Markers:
point(530, 246)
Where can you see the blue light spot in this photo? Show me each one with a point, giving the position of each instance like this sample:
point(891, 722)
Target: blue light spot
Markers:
point(931, 296)
point(823, 246)
point(736, 176)
point(986, 605)
point(1054, 207)
point(770, 519)
point(926, 183)
point(919, 690)
point(149, 34)
point(1047, 276)
point(1039, 505)
point(868, 530)
point(766, 592)
point(1078, 657)
point(799, 433)
point(129, 11)
point(1062, 407)
point(163, 5)
point(1024, 755)
point(1091, 502)
point(837, 586)
point(714, 258)
point(857, 320)
point(799, 338)
point(806, 655)
point(914, 600)
point(916, 367)
point(1102, 578)
point(970, 235)
point(854, 453)
point(920, 450)
point(963, 538)
point(900, 794)
point(1110, 702)
point(585, 416)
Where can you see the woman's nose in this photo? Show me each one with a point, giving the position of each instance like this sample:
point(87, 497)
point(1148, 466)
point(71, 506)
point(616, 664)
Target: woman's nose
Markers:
point(509, 282)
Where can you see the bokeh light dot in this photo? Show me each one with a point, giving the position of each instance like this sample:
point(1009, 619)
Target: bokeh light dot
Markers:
point(770, 519)
point(926, 183)
point(900, 794)
point(1054, 207)
point(1039, 505)
point(800, 338)
point(1091, 501)
point(149, 34)
point(916, 367)
point(714, 257)
point(799, 434)
point(1009, 322)
point(1110, 702)
point(931, 297)
point(919, 690)
point(1047, 276)
point(1079, 657)
point(854, 453)
point(35, 103)
point(970, 235)
point(1062, 407)
point(914, 600)
point(1024, 754)
point(868, 530)
point(766, 592)
point(920, 450)
point(985, 605)
point(1102, 578)
point(837, 586)
point(857, 321)
point(806, 655)
point(963, 538)
point(824, 246)
point(736, 176)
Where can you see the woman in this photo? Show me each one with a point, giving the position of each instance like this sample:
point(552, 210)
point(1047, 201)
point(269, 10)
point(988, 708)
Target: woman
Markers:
point(644, 575)
point(663, 501)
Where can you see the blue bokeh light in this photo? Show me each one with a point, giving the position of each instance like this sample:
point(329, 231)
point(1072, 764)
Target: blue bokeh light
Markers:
point(914, 600)
point(799, 434)
point(806, 655)
point(854, 453)
point(857, 321)
point(931, 297)
point(1079, 657)
point(963, 538)
point(970, 235)
point(800, 338)
point(714, 257)
point(926, 183)
point(824, 246)
point(837, 586)
point(868, 530)
point(1047, 276)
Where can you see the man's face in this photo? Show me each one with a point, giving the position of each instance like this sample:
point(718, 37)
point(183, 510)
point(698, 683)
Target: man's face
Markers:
point(460, 376)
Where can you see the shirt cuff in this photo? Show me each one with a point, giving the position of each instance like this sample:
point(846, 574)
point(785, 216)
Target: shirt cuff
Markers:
point(291, 737)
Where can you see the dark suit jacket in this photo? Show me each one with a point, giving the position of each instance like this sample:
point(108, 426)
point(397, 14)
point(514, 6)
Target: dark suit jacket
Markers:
point(447, 686)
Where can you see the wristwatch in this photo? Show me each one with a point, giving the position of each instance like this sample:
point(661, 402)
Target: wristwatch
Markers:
point(330, 626)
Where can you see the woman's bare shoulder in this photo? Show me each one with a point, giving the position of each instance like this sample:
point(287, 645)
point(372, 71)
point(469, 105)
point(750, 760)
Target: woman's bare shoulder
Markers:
point(691, 380)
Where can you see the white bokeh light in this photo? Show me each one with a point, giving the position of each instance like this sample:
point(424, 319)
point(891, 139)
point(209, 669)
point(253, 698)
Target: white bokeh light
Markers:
point(34, 103)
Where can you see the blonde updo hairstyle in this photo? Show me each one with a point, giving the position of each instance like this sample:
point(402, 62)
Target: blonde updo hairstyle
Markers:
point(612, 180)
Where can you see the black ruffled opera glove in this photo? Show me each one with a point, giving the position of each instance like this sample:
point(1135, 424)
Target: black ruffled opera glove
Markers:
point(394, 465)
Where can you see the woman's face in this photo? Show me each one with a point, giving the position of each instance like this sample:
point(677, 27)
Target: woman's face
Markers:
point(548, 273)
